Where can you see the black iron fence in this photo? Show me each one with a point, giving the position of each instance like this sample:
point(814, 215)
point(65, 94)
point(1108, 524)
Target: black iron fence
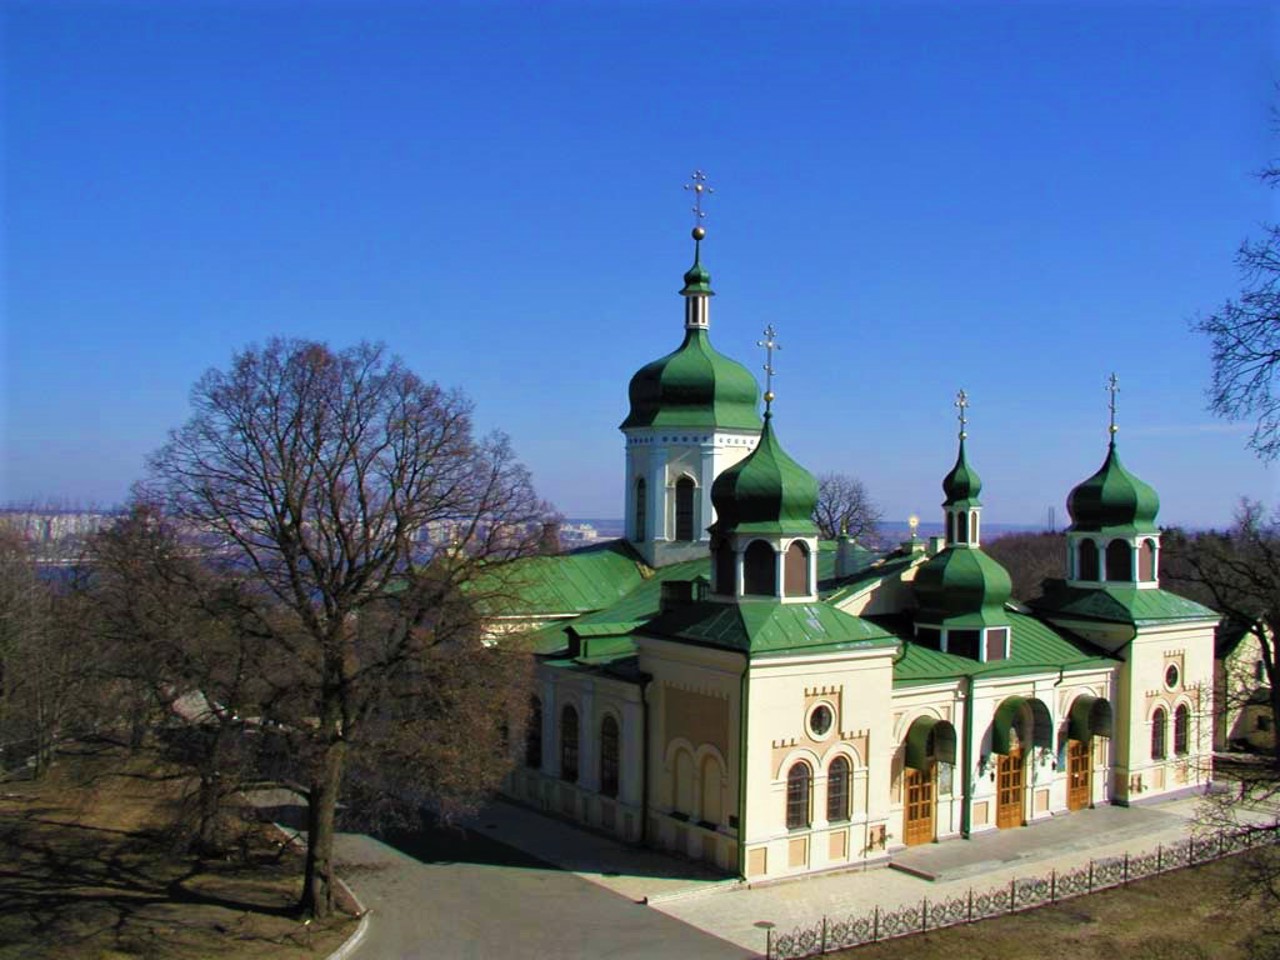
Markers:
point(1022, 893)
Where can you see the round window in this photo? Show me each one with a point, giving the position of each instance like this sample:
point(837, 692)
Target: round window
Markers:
point(1171, 676)
point(820, 720)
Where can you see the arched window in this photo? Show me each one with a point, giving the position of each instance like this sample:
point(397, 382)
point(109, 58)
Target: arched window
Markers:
point(1119, 561)
point(1088, 560)
point(712, 794)
point(609, 757)
point(1158, 723)
point(684, 508)
point(1147, 560)
point(973, 527)
point(951, 527)
point(799, 784)
point(796, 570)
point(838, 790)
point(682, 788)
point(569, 744)
point(642, 507)
point(533, 736)
point(759, 570)
point(962, 527)
point(1181, 730)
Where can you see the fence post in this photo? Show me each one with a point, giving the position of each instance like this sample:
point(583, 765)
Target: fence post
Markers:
point(1053, 886)
point(924, 915)
point(1191, 851)
point(875, 925)
point(824, 934)
point(1013, 892)
point(768, 944)
point(1125, 881)
point(971, 904)
point(1222, 843)
point(1159, 858)
point(1091, 876)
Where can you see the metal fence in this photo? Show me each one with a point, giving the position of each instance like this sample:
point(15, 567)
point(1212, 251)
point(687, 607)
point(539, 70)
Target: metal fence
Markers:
point(841, 933)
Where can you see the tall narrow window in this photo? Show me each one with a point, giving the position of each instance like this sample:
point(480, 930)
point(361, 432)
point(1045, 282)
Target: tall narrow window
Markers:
point(759, 570)
point(1088, 560)
point(1147, 560)
point(642, 495)
point(799, 784)
point(569, 744)
point(962, 527)
point(684, 508)
point(533, 736)
point(1119, 561)
point(609, 757)
point(838, 790)
point(1181, 730)
point(1158, 723)
point(951, 527)
point(796, 570)
point(973, 527)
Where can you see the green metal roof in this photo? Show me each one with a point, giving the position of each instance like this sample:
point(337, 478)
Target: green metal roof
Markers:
point(695, 386)
point(1034, 647)
point(768, 627)
point(696, 279)
point(588, 579)
point(1113, 500)
point(766, 491)
point(1118, 603)
point(837, 591)
point(962, 586)
point(962, 485)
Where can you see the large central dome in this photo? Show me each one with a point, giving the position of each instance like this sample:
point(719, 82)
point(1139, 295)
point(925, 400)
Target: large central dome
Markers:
point(694, 387)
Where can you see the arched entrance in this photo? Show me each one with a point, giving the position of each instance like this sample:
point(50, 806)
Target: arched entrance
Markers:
point(1020, 724)
point(1088, 717)
point(930, 742)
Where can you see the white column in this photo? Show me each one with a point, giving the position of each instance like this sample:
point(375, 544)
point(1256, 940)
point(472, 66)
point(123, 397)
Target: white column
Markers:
point(657, 512)
point(707, 514)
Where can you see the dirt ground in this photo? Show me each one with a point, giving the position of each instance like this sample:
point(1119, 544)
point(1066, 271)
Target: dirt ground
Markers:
point(90, 867)
point(1185, 915)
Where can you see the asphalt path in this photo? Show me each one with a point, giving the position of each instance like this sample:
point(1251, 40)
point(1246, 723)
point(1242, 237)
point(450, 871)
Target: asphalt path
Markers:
point(446, 892)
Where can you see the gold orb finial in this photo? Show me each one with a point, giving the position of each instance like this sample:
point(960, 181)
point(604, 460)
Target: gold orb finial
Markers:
point(698, 232)
point(913, 522)
point(768, 396)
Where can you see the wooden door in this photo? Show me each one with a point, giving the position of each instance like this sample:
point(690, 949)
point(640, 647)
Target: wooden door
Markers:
point(1078, 770)
point(1009, 790)
point(917, 813)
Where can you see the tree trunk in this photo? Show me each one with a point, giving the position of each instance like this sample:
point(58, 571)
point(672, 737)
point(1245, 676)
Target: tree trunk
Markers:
point(317, 885)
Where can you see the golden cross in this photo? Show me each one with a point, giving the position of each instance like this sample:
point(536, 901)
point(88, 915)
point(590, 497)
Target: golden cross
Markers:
point(770, 344)
point(1113, 387)
point(699, 187)
point(962, 403)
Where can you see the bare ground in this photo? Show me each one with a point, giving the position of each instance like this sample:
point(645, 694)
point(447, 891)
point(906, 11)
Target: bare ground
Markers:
point(91, 866)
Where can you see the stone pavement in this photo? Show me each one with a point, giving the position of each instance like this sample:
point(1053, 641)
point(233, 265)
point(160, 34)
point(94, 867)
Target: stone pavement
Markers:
point(740, 913)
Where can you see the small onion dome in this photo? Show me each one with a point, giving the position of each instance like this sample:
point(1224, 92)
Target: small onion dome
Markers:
point(1114, 499)
point(962, 485)
point(766, 492)
point(962, 583)
point(693, 387)
point(697, 280)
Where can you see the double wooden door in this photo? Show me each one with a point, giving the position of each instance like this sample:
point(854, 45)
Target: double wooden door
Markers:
point(1078, 772)
point(918, 810)
point(1010, 790)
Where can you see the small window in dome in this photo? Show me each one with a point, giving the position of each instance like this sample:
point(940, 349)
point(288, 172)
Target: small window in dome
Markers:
point(1119, 561)
point(997, 643)
point(684, 508)
point(641, 496)
point(1088, 566)
point(964, 643)
point(1147, 561)
point(760, 570)
point(796, 570)
point(929, 637)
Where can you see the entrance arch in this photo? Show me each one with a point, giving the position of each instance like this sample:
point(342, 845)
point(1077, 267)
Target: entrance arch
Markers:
point(1088, 717)
point(1020, 725)
point(929, 742)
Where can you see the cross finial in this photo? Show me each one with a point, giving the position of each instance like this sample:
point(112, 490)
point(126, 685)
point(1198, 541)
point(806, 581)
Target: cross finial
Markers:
point(962, 404)
point(770, 344)
point(700, 188)
point(1113, 387)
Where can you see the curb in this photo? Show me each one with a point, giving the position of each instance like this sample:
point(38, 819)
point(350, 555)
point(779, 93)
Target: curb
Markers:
point(693, 893)
point(353, 941)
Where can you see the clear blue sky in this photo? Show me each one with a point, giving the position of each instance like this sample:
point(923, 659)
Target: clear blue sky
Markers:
point(1015, 198)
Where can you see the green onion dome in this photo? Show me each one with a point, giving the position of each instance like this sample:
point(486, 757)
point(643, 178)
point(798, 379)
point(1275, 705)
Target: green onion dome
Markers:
point(962, 582)
point(766, 492)
point(1114, 500)
point(695, 386)
point(962, 485)
point(697, 279)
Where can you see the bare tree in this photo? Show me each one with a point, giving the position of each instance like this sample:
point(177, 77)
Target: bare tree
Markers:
point(1030, 558)
point(1245, 338)
point(844, 506)
point(362, 505)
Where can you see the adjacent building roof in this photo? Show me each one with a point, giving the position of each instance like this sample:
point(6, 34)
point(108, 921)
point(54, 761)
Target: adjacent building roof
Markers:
point(1118, 603)
point(761, 628)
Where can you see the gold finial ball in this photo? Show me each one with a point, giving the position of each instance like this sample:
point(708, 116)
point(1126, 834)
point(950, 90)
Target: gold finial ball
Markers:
point(913, 522)
point(698, 233)
point(768, 396)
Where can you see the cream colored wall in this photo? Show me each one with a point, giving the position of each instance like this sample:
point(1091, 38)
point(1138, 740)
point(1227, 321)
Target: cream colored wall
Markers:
point(1239, 715)
point(887, 596)
point(1141, 688)
point(694, 703)
point(781, 692)
point(942, 702)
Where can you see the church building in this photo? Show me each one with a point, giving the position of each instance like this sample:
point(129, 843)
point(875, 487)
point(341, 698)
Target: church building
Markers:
point(722, 685)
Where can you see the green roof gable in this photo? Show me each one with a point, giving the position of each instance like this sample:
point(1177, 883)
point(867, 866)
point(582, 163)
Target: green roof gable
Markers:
point(764, 628)
point(1118, 603)
point(584, 580)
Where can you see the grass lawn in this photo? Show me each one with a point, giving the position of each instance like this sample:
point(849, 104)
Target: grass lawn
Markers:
point(90, 868)
point(1185, 915)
